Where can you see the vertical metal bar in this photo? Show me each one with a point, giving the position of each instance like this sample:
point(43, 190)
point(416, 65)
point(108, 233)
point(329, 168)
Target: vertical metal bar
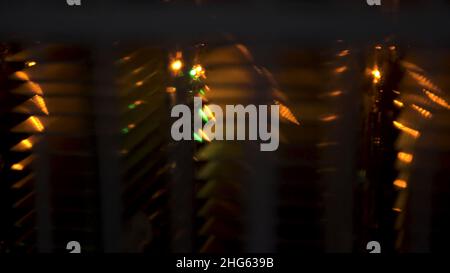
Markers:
point(107, 134)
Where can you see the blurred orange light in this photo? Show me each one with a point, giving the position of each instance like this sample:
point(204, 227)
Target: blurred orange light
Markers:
point(376, 75)
point(421, 111)
point(329, 118)
point(344, 53)
point(405, 157)
point(39, 101)
point(17, 167)
point(26, 143)
point(407, 130)
point(398, 103)
point(176, 65)
point(171, 90)
point(340, 69)
point(37, 123)
point(30, 64)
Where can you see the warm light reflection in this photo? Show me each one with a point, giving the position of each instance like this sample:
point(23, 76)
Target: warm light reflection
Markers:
point(171, 90)
point(22, 164)
point(208, 112)
point(24, 145)
point(22, 76)
point(405, 157)
point(17, 167)
point(176, 65)
point(376, 74)
point(286, 113)
point(344, 53)
point(407, 130)
point(139, 83)
point(329, 118)
point(436, 99)
point(37, 123)
point(341, 69)
point(137, 70)
point(335, 93)
point(398, 103)
point(422, 111)
point(197, 71)
point(39, 101)
point(204, 135)
point(424, 81)
point(30, 64)
point(35, 88)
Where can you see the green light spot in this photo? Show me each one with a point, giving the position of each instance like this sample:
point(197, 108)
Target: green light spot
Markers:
point(131, 106)
point(203, 115)
point(192, 72)
point(197, 138)
point(125, 131)
point(201, 91)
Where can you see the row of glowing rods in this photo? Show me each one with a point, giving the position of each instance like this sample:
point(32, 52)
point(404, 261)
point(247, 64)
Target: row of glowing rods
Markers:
point(32, 121)
point(407, 158)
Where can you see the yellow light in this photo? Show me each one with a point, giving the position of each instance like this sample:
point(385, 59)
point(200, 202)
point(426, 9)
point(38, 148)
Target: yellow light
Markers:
point(204, 135)
point(407, 130)
point(197, 71)
point(26, 143)
point(176, 65)
point(398, 103)
point(17, 167)
point(376, 75)
point(37, 123)
point(397, 209)
point(405, 157)
point(139, 83)
point(378, 47)
point(30, 64)
point(209, 112)
point(39, 101)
